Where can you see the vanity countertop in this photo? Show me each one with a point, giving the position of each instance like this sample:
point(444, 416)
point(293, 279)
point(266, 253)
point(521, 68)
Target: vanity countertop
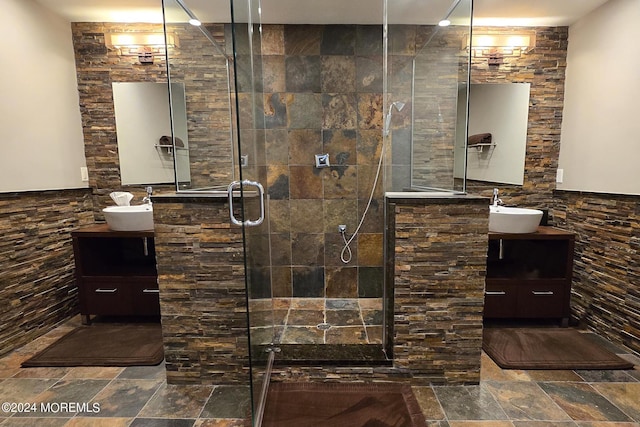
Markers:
point(103, 230)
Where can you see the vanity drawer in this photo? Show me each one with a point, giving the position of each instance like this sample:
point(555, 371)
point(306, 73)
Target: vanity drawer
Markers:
point(145, 297)
point(544, 299)
point(104, 297)
point(500, 299)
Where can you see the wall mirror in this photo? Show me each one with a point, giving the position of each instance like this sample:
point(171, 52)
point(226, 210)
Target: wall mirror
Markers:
point(497, 132)
point(143, 127)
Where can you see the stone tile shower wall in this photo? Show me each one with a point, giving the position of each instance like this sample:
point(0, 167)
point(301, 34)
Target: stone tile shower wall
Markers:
point(194, 62)
point(323, 94)
point(37, 288)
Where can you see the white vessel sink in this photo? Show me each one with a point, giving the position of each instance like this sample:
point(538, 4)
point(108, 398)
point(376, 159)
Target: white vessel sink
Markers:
point(503, 219)
point(129, 218)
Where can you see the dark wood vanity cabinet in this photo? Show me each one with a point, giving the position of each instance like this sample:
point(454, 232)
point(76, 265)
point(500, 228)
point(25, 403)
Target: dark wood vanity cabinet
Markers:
point(529, 275)
point(115, 272)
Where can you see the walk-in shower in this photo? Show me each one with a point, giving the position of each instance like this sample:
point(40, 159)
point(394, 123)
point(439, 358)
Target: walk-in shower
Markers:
point(275, 87)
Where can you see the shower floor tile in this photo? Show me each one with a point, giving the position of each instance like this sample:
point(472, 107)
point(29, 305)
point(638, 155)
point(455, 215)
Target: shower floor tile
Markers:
point(316, 320)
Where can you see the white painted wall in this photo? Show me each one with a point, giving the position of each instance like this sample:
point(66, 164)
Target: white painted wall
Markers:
point(600, 141)
point(42, 143)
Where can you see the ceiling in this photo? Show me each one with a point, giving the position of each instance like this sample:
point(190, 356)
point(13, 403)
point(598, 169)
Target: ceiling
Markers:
point(486, 12)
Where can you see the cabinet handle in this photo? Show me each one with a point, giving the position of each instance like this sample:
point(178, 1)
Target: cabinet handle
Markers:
point(106, 291)
point(151, 291)
point(542, 292)
point(495, 293)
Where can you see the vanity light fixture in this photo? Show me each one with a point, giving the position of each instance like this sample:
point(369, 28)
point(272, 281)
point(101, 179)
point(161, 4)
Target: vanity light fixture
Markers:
point(496, 46)
point(144, 45)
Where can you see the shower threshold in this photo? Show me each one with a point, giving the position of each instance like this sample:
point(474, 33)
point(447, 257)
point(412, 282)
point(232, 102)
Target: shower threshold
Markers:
point(328, 354)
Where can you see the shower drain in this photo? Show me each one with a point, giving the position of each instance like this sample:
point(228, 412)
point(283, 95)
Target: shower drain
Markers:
point(323, 326)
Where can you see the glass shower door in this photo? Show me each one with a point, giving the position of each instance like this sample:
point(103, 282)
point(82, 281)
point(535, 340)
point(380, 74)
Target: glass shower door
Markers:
point(254, 214)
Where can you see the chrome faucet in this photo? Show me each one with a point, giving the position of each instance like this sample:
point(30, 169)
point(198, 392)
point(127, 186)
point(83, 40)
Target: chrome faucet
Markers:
point(147, 198)
point(496, 200)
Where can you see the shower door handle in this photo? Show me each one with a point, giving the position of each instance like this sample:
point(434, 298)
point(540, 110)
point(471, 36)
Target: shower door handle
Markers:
point(238, 184)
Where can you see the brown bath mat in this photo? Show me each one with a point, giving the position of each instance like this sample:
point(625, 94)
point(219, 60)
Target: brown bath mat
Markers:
point(548, 348)
point(106, 344)
point(331, 405)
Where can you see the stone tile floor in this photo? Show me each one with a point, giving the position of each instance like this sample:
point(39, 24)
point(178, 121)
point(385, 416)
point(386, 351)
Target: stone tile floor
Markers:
point(317, 320)
point(140, 397)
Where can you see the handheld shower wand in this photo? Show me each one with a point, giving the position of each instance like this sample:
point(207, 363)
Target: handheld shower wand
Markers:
point(345, 254)
point(399, 105)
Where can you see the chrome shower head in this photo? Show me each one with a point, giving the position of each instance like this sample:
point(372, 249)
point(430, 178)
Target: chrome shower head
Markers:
point(398, 104)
